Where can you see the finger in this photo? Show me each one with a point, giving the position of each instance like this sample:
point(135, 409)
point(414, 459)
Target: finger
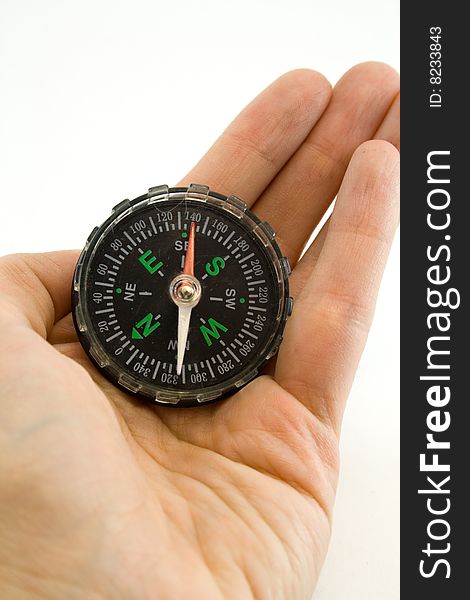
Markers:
point(63, 331)
point(257, 144)
point(35, 288)
point(327, 331)
point(389, 129)
point(304, 268)
point(298, 197)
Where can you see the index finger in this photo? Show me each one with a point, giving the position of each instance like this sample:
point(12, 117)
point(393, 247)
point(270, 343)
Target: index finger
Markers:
point(262, 138)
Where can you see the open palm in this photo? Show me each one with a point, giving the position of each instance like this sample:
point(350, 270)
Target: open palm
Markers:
point(104, 497)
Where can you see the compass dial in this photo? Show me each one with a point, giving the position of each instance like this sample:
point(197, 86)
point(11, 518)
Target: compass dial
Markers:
point(181, 296)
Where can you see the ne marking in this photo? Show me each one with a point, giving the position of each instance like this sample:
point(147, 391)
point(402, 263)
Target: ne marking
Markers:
point(258, 308)
point(214, 299)
point(125, 251)
point(153, 225)
point(103, 284)
point(103, 311)
point(255, 337)
point(258, 282)
point(132, 356)
point(167, 227)
point(247, 257)
point(143, 235)
point(118, 262)
point(179, 225)
point(183, 372)
point(156, 370)
point(210, 369)
point(130, 239)
point(205, 225)
point(228, 238)
point(233, 354)
point(114, 336)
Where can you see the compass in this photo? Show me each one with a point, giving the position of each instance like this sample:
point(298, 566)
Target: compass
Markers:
point(181, 296)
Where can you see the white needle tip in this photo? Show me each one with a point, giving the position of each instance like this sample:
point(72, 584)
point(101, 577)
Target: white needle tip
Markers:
point(184, 317)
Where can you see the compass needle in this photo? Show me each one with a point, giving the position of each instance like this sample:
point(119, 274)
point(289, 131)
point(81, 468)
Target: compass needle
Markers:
point(184, 318)
point(185, 293)
point(181, 296)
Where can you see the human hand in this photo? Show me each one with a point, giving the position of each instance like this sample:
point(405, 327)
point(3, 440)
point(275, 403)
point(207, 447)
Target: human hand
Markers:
point(104, 497)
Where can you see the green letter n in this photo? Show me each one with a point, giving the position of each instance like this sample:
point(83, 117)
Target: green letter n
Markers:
point(148, 327)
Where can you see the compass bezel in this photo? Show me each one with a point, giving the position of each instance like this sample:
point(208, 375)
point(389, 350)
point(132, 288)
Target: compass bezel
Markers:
point(144, 388)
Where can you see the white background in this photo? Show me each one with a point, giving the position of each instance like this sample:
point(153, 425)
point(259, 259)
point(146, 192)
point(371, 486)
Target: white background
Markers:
point(99, 99)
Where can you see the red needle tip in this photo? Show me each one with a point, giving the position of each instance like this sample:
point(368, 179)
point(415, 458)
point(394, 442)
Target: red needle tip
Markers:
point(189, 258)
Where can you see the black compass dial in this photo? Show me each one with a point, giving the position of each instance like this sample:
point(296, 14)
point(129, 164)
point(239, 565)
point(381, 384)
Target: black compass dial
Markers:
point(181, 296)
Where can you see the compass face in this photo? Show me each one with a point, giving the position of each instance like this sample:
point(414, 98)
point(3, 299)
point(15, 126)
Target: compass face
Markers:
point(181, 295)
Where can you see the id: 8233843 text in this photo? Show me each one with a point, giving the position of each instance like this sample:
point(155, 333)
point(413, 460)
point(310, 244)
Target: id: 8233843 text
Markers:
point(435, 67)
